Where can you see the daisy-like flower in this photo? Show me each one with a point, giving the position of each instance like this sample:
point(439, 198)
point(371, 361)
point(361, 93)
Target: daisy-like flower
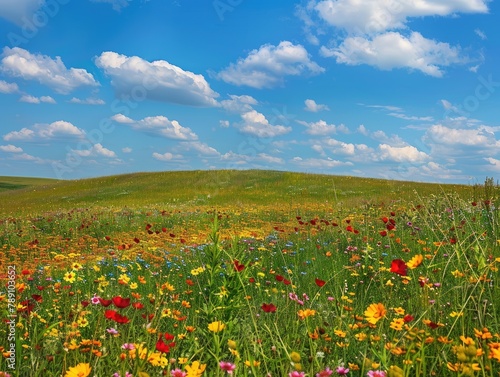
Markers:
point(227, 366)
point(70, 277)
point(374, 313)
point(376, 373)
point(415, 261)
point(178, 373)
point(195, 369)
point(216, 326)
point(112, 331)
point(80, 370)
point(95, 300)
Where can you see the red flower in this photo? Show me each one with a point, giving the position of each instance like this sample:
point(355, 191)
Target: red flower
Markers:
point(251, 280)
point(408, 318)
point(286, 282)
point(238, 266)
point(138, 305)
point(37, 298)
point(104, 302)
point(121, 302)
point(383, 233)
point(164, 347)
point(189, 282)
point(118, 318)
point(319, 282)
point(398, 266)
point(385, 219)
point(432, 325)
point(279, 277)
point(85, 303)
point(269, 308)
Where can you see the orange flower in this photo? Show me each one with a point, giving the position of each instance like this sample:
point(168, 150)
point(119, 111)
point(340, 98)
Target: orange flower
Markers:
point(415, 261)
point(375, 312)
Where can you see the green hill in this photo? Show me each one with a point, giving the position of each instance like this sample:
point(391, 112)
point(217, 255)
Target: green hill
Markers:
point(208, 189)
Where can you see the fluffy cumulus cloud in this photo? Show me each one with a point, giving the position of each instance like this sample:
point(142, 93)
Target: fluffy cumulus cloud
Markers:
point(87, 101)
point(10, 148)
point(18, 10)
point(480, 137)
point(58, 129)
point(493, 164)
point(239, 104)
point(372, 16)
point(402, 154)
point(8, 87)
point(166, 157)
point(158, 80)
point(318, 163)
point(314, 107)
point(158, 125)
point(51, 72)
point(269, 65)
point(255, 123)
point(393, 50)
point(36, 100)
point(322, 128)
point(96, 151)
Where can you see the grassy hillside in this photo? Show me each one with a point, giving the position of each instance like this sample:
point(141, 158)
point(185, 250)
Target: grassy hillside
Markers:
point(208, 189)
point(16, 183)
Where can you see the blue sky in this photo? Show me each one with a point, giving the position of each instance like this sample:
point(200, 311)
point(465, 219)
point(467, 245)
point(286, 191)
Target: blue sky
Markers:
point(389, 89)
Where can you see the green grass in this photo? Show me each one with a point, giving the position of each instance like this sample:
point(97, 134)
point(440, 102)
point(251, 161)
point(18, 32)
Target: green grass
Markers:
point(209, 189)
point(16, 183)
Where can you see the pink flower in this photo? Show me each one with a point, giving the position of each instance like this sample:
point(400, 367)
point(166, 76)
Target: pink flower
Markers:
point(376, 373)
point(342, 371)
point(178, 373)
point(296, 374)
point(325, 373)
point(227, 366)
point(128, 346)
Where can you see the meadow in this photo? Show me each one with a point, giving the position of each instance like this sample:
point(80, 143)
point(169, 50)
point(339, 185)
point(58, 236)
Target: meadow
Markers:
point(243, 273)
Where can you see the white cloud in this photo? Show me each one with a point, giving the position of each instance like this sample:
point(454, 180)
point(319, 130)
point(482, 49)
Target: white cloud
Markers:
point(224, 123)
point(158, 80)
point(28, 157)
point(478, 137)
point(166, 156)
point(393, 50)
point(239, 104)
point(264, 157)
point(322, 128)
point(127, 150)
point(375, 16)
point(269, 65)
point(17, 62)
point(10, 148)
point(17, 10)
point(480, 34)
point(494, 164)
point(87, 101)
point(158, 125)
point(318, 163)
point(36, 100)
point(255, 123)
point(402, 154)
point(53, 130)
point(96, 150)
point(7, 87)
point(201, 148)
point(312, 106)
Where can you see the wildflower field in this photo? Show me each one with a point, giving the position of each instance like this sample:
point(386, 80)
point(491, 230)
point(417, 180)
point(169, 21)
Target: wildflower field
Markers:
point(266, 281)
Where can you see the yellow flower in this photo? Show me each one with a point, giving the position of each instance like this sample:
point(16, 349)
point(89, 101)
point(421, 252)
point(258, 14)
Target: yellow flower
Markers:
point(306, 313)
point(295, 357)
point(133, 286)
point(249, 363)
point(195, 369)
point(415, 261)
point(157, 359)
point(375, 312)
point(399, 310)
point(70, 277)
point(231, 344)
point(81, 370)
point(76, 266)
point(197, 271)
point(397, 324)
point(216, 326)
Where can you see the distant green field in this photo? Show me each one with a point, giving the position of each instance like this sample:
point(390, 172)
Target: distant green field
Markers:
point(208, 189)
point(15, 183)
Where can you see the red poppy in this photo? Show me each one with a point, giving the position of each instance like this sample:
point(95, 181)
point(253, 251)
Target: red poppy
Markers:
point(121, 302)
point(383, 233)
point(189, 282)
point(269, 308)
point(279, 277)
point(148, 226)
point(37, 298)
point(398, 266)
point(251, 280)
point(118, 318)
point(286, 282)
point(385, 219)
point(319, 282)
point(162, 346)
point(104, 302)
point(85, 303)
point(238, 266)
point(137, 305)
point(408, 318)
point(390, 226)
point(25, 272)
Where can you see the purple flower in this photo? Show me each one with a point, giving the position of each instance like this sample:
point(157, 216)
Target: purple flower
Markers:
point(342, 371)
